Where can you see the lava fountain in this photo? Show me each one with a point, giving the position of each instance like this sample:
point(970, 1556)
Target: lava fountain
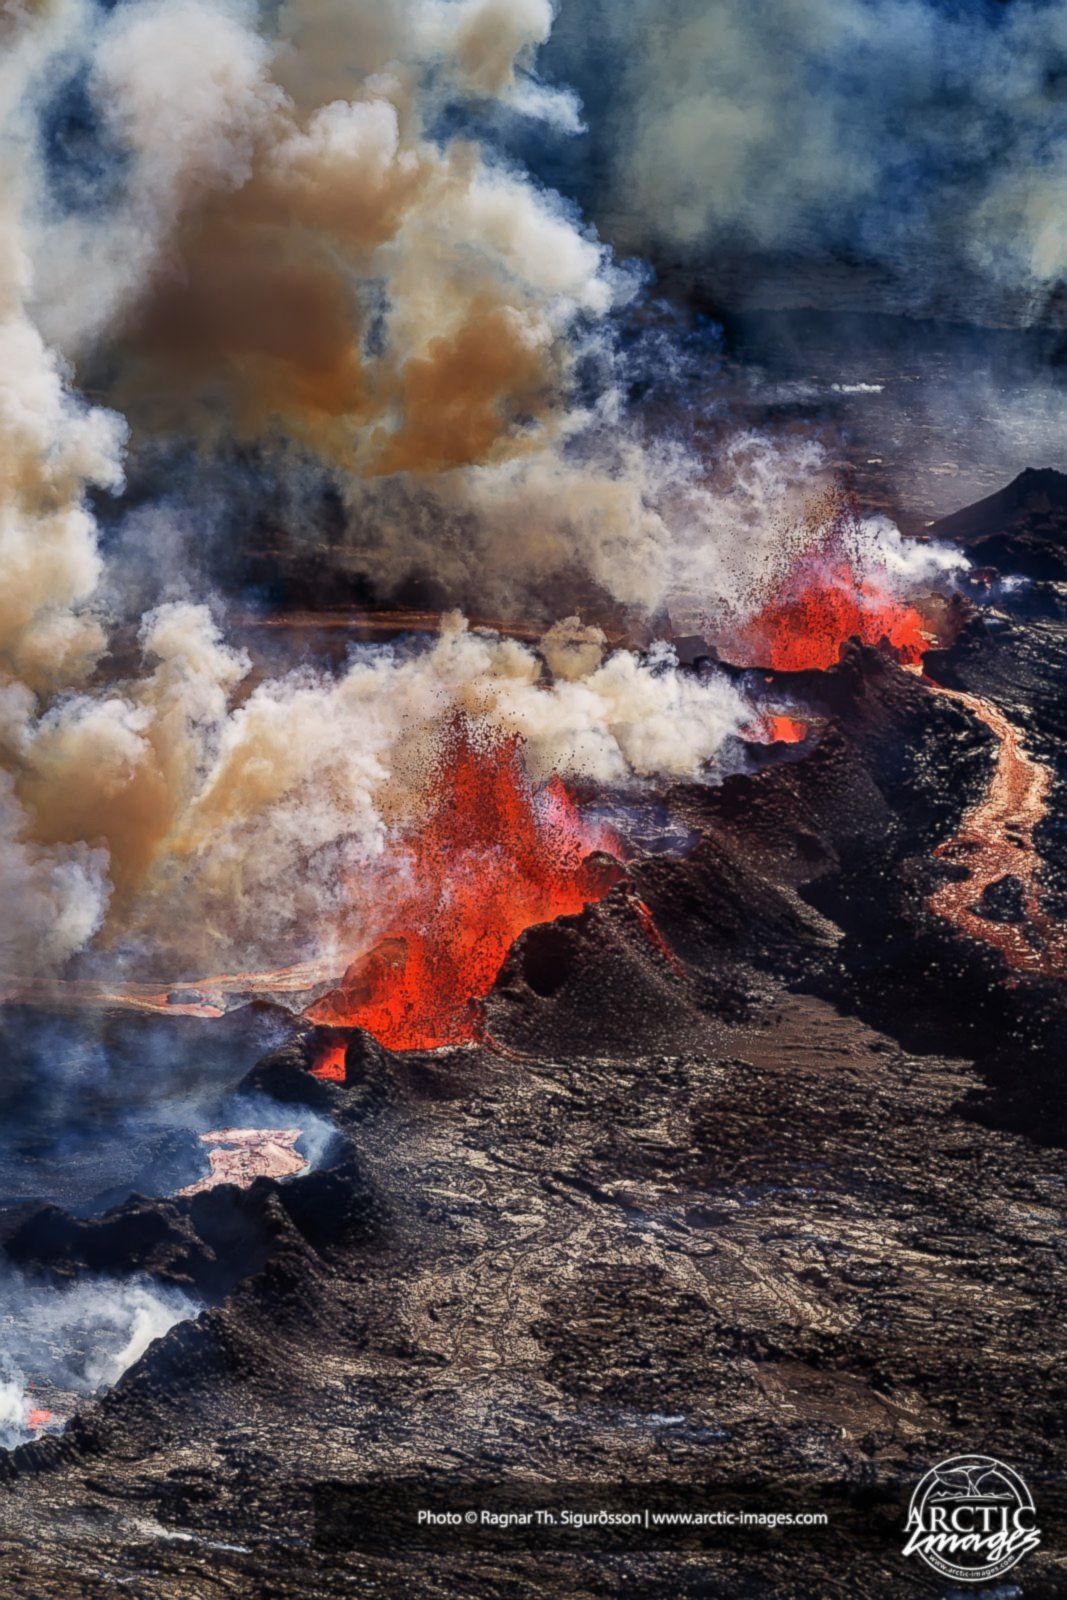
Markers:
point(493, 854)
point(813, 613)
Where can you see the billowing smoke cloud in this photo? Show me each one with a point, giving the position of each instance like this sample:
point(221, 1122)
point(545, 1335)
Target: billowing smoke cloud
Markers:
point(279, 236)
point(317, 265)
point(904, 131)
point(312, 774)
point(66, 1344)
point(294, 250)
point(56, 896)
point(53, 449)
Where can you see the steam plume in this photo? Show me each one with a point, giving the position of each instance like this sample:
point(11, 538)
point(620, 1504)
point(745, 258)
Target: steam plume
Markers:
point(277, 235)
point(77, 1339)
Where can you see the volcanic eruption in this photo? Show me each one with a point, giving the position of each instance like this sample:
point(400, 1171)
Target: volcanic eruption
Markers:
point(459, 1019)
point(814, 614)
point(491, 855)
point(839, 581)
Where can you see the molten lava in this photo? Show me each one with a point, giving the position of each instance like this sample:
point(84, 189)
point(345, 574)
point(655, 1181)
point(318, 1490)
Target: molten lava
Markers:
point(493, 855)
point(786, 730)
point(995, 843)
point(813, 614)
point(331, 1064)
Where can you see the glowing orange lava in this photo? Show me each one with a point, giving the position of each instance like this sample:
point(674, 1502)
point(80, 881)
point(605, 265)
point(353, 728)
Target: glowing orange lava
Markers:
point(331, 1064)
point(819, 607)
point(38, 1417)
point(786, 730)
point(995, 841)
point(494, 855)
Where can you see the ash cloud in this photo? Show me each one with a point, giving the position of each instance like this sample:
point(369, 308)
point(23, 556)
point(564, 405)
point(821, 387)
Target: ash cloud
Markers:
point(908, 133)
point(305, 252)
point(308, 259)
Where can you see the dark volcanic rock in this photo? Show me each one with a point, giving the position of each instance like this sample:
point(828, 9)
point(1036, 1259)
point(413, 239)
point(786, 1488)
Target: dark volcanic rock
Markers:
point(1020, 529)
point(749, 1192)
point(789, 1264)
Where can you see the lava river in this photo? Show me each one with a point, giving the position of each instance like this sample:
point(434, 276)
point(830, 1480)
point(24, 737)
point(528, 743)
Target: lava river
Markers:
point(994, 841)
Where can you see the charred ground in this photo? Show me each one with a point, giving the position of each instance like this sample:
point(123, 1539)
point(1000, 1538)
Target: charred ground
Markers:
point(755, 1179)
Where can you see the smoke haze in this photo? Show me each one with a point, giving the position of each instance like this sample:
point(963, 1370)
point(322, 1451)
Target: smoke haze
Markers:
point(915, 143)
point(76, 1339)
point(285, 233)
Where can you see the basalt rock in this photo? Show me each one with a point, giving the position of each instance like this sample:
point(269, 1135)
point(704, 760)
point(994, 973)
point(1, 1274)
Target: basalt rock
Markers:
point(749, 1180)
point(1020, 529)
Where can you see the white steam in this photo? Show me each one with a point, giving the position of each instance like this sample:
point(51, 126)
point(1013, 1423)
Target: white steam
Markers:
point(293, 250)
point(58, 1345)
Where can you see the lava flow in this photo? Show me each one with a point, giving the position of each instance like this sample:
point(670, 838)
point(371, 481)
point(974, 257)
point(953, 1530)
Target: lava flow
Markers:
point(786, 730)
point(813, 614)
point(995, 841)
point(494, 855)
point(240, 1155)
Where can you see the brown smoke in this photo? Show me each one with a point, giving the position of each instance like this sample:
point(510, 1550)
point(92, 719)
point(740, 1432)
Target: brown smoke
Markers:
point(292, 255)
point(319, 268)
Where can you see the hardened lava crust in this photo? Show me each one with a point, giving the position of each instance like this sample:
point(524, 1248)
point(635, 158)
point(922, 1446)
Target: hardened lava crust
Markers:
point(754, 1178)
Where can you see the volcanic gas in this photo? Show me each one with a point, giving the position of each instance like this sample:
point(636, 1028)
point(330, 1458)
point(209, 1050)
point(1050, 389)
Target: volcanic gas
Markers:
point(493, 855)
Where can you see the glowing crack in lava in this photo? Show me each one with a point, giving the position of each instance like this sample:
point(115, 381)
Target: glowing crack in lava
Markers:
point(493, 855)
point(815, 611)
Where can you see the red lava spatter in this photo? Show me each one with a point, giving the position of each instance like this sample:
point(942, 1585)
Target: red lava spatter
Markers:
point(996, 839)
point(815, 611)
point(493, 854)
point(241, 1155)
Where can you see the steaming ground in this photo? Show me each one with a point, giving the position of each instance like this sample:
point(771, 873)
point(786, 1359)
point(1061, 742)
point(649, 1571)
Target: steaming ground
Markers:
point(97, 1105)
point(61, 1345)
